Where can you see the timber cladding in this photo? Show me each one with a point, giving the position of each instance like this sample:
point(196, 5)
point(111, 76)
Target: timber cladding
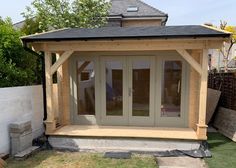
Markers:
point(226, 83)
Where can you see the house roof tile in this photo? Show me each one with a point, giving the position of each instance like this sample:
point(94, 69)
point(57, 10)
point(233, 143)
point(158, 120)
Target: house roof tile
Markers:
point(119, 7)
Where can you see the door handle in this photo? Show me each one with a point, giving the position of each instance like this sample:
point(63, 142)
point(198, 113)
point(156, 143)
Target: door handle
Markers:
point(130, 91)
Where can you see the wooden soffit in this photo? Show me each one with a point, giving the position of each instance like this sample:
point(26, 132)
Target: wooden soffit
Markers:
point(128, 45)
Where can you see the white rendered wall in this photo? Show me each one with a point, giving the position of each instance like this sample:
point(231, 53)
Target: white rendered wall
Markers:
point(20, 104)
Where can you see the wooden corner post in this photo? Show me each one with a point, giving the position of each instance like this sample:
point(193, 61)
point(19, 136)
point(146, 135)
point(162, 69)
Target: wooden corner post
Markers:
point(50, 122)
point(201, 126)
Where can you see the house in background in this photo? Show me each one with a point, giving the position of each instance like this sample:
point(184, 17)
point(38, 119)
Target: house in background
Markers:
point(217, 59)
point(136, 86)
point(135, 13)
point(127, 13)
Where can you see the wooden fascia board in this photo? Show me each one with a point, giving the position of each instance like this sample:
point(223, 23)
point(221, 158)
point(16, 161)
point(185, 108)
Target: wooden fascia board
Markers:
point(60, 61)
point(190, 60)
point(129, 45)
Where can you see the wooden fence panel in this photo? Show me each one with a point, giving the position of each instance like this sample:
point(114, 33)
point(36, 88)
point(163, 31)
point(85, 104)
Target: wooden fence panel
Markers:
point(226, 83)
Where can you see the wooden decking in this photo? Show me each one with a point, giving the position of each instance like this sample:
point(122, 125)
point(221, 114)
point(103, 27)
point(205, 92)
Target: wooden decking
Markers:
point(126, 132)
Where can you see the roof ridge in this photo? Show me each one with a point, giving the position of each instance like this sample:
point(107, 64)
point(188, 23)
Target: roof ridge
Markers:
point(51, 31)
point(144, 3)
point(216, 29)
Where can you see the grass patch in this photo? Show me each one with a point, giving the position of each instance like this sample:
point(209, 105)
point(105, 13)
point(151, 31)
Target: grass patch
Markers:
point(223, 152)
point(54, 159)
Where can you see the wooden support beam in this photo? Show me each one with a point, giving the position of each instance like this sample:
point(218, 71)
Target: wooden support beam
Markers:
point(59, 91)
point(201, 126)
point(190, 60)
point(83, 66)
point(128, 45)
point(50, 122)
point(60, 61)
point(66, 93)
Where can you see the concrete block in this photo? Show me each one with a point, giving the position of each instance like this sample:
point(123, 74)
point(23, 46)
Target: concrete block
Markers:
point(21, 142)
point(120, 144)
point(20, 127)
point(20, 136)
point(180, 162)
point(26, 153)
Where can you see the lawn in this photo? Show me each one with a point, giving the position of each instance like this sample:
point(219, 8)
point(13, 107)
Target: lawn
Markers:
point(54, 159)
point(223, 151)
point(222, 148)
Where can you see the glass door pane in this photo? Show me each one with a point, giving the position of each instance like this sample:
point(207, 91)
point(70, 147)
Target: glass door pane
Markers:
point(171, 89)
point(114, 88)
point(86, 87)
point(140, 88)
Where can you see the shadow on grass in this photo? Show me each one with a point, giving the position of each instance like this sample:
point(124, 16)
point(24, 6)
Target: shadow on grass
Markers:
point(216, 140)
point(57, 159)
point(32, 161)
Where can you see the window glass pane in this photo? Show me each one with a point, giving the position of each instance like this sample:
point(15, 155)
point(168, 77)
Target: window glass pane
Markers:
point(114, 88)
point(86, 87)
point(171, 89)
point(141, 88)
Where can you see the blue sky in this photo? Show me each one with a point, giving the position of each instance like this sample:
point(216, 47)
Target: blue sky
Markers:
point(181, 12)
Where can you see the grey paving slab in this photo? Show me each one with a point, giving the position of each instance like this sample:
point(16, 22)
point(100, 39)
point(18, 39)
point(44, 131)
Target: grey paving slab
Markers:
point(180, 162)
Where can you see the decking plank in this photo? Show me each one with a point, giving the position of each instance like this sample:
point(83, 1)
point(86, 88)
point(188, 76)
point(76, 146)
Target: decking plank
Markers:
point(125, 132)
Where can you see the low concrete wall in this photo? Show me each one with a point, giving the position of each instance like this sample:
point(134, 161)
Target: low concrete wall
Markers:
point(225, 121)
point(20, 104)
point(120, 144)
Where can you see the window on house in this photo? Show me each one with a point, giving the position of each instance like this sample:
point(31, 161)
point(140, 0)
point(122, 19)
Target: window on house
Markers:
point(132, 9)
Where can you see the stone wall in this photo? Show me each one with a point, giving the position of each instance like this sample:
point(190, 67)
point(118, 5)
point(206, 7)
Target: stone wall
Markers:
point(225, 121)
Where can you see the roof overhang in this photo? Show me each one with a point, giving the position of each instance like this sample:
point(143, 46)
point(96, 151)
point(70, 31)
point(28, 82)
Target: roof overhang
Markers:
point(104, 39)
point(127, 44)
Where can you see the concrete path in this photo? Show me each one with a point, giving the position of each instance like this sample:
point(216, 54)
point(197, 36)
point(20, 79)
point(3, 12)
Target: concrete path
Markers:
point(180, 162)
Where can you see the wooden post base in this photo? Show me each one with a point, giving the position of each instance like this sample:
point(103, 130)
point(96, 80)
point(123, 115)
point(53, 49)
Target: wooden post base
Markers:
point(2, 163)
point(202, 132)
point(50, 126)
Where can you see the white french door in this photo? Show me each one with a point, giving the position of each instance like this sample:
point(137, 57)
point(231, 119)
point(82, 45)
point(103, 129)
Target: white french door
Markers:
point(171, 92)
point(126, 90)
point(114, 106)
point(130, 90)
point(140, 95)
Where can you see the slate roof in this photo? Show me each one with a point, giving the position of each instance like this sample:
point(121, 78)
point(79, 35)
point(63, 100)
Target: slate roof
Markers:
point(157, 32)
point(119, 7)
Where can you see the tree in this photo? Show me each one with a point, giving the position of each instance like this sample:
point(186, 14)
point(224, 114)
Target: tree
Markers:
point(225, 50)
point(31, 26)
point(57, 14)
point(17, 66)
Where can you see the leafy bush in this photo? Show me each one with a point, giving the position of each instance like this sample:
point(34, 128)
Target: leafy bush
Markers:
point(17, 66)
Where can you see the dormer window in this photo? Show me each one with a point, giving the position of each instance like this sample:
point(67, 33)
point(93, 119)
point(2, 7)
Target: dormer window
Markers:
point(132, 9)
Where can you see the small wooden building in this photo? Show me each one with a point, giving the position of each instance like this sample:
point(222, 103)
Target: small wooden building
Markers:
point(137, 82)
